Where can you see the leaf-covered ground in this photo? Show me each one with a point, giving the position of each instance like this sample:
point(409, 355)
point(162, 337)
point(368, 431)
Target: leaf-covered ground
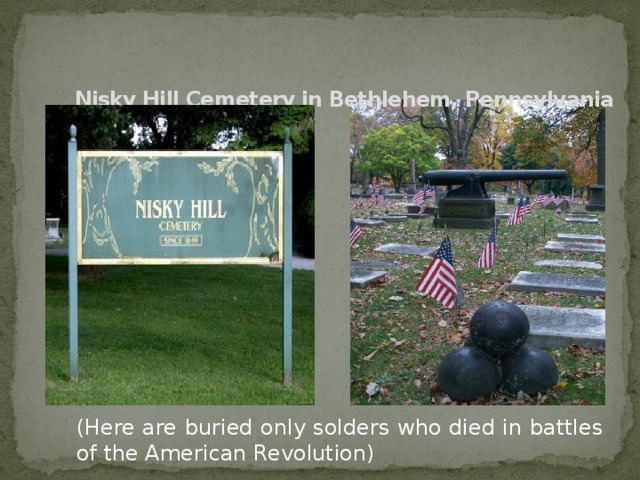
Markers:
point(399, 336)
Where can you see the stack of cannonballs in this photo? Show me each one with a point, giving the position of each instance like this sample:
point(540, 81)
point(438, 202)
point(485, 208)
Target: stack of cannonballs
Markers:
point(496, 355)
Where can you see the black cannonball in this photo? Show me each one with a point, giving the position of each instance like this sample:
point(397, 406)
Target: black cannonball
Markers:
point(468, 373)
point(499, 328)
point(469, 343)
point(530, 369)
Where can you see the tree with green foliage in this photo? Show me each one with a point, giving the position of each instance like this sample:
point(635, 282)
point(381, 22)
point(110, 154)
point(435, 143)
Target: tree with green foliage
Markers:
point(364, 119)
point(162, 127)
point(537, 145)
point(389, 150)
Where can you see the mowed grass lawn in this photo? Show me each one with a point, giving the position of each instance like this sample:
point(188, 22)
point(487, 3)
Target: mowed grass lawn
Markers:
point(178, 335)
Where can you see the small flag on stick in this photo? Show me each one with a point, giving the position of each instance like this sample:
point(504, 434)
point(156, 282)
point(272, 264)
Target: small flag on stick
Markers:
point(538, 200)
point(549, 198)
point(438, 280)
point(516, 216)
point(355, 233)
point(558, 212)
point(488, 255)
point(429, 192)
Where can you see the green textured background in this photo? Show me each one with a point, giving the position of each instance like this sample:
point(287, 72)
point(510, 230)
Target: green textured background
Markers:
point(329, 301)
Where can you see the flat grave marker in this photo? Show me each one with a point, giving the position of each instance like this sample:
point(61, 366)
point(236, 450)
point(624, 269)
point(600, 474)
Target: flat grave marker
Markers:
point(574, 247)
point(363, 278)
point(582, 214)
point(568, 263)
point(391, 218)
point(407, 249)
point(555, 282)
point(365, 222)
point(577, 237)
point(552, 327)
point(370, 265)
point(590, 221)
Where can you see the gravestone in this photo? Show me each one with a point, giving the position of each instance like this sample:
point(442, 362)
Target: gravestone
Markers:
point(552, 327)
point(407, 249)
point(365, 222)
point(597, 192)
point(411, 186)
point(555, 282)
point(574, 247)
point(369, 265)
point(391, 218)
point(576, 237)
point(568, 263)
point(364, 278)
point(52, 230)
point(588, 221)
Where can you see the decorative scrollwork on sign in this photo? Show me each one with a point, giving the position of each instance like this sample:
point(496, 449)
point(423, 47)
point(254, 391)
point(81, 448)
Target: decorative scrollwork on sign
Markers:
point(261, 193)
point(137, 168)
point(98, 221)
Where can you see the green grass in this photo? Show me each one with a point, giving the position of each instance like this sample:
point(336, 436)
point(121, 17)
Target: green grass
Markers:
point(178, 335)
point(399, 337)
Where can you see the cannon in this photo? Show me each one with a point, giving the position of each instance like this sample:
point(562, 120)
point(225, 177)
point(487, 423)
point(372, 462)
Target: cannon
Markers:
point(472, 181)
point(467, 204)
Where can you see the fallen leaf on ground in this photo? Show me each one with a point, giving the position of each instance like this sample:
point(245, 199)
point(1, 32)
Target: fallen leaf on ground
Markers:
point(372, 389)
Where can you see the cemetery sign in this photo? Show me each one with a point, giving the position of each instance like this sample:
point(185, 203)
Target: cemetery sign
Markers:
point(159, 207)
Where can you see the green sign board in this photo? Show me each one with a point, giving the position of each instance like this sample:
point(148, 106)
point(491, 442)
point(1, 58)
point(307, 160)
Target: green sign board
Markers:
point(179, 207)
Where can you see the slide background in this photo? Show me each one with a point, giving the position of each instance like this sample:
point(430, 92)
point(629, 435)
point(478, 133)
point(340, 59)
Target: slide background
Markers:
point(576, 48)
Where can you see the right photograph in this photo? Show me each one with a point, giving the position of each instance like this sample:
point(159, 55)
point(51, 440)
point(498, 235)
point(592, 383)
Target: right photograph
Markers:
point(477, 240)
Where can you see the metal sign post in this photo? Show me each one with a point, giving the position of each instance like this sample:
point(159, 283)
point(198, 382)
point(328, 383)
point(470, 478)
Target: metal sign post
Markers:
point(73, 265)
point(286, 266)
point(156, 208)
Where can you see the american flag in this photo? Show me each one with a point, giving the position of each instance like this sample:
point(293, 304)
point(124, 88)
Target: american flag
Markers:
point(355, 233)
point(374, 198)
point(488, 254)
point(419, 197)
point(558, 200)
point(516, 216)
point(538, 200)
point(405, 199)
point(558, 212)
point(430, 192)
point(438, 280)
point(527, 207)
point(382, 197)
point(548, 199)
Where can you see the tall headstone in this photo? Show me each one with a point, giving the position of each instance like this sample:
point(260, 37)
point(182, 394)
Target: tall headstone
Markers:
point(412, 177)
point(597, 191)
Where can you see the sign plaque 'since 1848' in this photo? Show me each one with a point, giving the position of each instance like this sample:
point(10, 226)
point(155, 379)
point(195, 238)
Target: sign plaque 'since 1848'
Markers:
point(179, 207)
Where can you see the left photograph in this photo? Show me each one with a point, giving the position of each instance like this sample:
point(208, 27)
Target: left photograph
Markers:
point(179, 250)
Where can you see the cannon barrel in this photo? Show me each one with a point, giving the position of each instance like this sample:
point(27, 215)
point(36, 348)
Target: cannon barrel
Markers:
point(458, 177)
point(472, 181)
